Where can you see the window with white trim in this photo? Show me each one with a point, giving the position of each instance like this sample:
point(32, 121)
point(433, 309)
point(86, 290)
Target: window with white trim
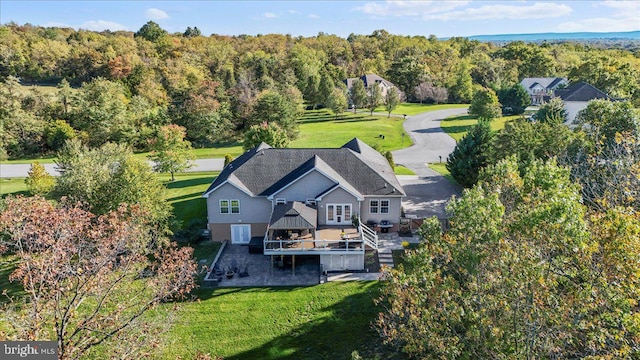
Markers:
point(379, 206)
point(373, 206)
point(281, 201)
point(229, 206)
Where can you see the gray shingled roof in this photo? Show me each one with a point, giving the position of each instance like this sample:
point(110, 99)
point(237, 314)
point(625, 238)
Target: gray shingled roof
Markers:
point(264, 170)
point(368, 79)
point(293, 215)
point(547, 83)
point(581, 92)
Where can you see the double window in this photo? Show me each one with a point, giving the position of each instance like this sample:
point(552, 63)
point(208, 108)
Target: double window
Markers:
point(378, 206)
point(230, 206)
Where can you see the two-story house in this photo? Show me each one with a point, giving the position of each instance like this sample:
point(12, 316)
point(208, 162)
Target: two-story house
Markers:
point(327, 202)
point(541, 89)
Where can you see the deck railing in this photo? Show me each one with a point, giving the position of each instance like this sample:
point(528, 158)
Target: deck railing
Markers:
point(314, 245)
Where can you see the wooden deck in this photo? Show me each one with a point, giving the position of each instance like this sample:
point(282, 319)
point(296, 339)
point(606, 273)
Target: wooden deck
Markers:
point(328, 238)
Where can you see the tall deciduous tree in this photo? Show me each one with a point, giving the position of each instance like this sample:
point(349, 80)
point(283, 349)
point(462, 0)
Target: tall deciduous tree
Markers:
point(358, 94)
point(273, 107)
point(521, 273)
point(151, 31)
point(105, 177)
point(337, 102)
point(90, 281)
point(485, 105)
point(374, 97)
point(471, 154)
point(552, 112)
point(170, 151)
point(391, 100)
point(271, 134)
point(603, 119)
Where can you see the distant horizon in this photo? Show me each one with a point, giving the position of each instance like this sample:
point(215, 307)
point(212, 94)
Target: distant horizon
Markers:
point(443, 19)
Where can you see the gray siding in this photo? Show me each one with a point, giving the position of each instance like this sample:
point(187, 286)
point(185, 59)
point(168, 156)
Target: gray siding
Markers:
point(395, 204)
point(337, 196)
point(252, 210)
point(307, 187)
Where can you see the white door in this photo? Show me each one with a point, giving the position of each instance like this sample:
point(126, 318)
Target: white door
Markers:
point(240, 234)
point(338, 214)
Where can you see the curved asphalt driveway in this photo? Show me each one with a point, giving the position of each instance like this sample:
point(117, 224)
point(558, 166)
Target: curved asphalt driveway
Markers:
point(427, 192)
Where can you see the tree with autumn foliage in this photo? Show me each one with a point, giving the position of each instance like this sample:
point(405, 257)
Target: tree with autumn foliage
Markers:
point(39, 181)
point(90, 282)
point(170, 151)
point(523, 272)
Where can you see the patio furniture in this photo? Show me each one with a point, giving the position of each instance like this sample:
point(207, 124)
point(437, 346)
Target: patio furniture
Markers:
point(385, 225)
point(230, 274)
point(245, 272)
point(234, 266)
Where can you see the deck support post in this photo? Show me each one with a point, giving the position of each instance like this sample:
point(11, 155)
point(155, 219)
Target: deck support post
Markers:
point(293, 264)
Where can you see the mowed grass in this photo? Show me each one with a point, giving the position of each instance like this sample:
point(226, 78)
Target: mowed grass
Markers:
point(415, 108)
point(441, 168)
point(185, 195)
point(458, 126)
point(327, 321)
point(401, 170)
point(321, 129)
point(13, 186)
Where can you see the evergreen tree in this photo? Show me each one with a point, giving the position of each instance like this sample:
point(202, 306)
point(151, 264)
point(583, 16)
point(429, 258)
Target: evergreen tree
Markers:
point(470, 154)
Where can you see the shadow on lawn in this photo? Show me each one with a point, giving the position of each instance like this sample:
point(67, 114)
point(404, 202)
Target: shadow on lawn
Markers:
point(190, 182)
point(336, 336)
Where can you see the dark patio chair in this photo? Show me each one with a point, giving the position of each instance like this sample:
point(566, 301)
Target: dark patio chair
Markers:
point(245, 272)
point(234, 266)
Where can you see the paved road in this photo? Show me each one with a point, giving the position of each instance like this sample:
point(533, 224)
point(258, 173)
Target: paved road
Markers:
point(427, 192)
point(430, 142)
point(21, 170)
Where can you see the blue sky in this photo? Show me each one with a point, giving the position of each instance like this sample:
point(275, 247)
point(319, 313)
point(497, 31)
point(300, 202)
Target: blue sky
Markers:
point(308, 18)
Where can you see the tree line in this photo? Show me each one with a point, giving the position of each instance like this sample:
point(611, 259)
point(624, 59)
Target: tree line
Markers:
point(123, 86)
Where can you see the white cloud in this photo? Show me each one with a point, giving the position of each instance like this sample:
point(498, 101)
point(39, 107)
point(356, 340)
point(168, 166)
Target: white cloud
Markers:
point(313, 16)
point(155, 14)
point(410, 8)
point(624, 18)
point(538, 10)
point(101, 25)
point(270, 15)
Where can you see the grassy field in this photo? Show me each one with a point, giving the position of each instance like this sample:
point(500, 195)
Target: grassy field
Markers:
point(442, 170)
point(323, 130)
point(410, 109)
point(327, 321)
point(15, 186)
point(457, 126)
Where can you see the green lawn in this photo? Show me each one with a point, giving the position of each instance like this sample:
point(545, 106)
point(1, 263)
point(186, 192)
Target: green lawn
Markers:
point(185, 194)
point(15, 186)
point(401, 170)
point(457, 126)
point(414, 108)
point(327, 321)
point(324, 131)
point(441, 168)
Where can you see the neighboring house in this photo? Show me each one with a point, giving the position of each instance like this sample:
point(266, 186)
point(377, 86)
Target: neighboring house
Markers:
point(541, 89)
point(303, 202)
point(576, 96)
point(370, 79)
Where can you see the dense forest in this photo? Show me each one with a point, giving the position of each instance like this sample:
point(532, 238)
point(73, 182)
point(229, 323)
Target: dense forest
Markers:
point(123, 86)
